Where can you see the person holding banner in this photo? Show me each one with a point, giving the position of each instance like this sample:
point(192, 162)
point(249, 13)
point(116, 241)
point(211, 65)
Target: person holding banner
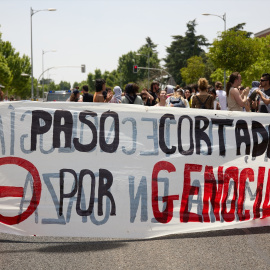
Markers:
point(176, 100)
point(117, 95)
point(265, 87)
point(203, 100)
point(131, 96)
point(154, 92)
point(162, 96)
point(236, 101)
point(264, 99)
point(100, 88)
point(75, 96)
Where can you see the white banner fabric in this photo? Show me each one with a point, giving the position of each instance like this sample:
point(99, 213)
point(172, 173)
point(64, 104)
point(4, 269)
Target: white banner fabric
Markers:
point(129, 171)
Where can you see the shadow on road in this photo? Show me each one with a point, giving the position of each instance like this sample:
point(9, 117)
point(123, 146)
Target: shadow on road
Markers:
point(219, 233)
point(74, 247)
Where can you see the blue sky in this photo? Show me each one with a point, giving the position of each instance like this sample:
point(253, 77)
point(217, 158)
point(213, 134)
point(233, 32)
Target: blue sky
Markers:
point(97, 33)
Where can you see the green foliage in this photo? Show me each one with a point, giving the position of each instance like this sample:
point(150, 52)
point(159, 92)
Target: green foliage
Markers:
point(5, 74)
point(64, 85)
point(140, 58)
point(52, 86)
point(218, 75)
point(234, 51)
point(90, 82)
point(261, 64)
point(195, 69)
point(209, 68)
point(240, 27)
point(75, 84)
point(112, 79)
point(125, 67)
point(12, 65)
point(182, 48)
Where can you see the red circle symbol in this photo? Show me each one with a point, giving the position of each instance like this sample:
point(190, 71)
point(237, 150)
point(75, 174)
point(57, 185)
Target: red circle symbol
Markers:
point(18, 191)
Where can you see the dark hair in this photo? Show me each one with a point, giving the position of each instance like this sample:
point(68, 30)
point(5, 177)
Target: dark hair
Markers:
point(135, 87)
point(234, 76)
point(194, 86)
point(188, 87)
point(99, 84)
point(85, 88)
point(73, 95)
point(104, 93)
point(213, 90)
point(266, 76)
point(218, 85)
point(152, 85)
point(131, 89)
point(75, 92)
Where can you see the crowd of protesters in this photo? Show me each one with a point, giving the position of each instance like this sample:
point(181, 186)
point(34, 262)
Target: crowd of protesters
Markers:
point(235, 97)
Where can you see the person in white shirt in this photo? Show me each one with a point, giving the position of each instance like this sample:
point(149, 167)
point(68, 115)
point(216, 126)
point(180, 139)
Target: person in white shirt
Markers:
point(222, 97)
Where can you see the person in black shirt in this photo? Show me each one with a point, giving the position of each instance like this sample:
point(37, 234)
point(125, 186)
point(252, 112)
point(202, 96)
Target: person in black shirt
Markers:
point(86, 96)
point(265, 85)
point(154, 92)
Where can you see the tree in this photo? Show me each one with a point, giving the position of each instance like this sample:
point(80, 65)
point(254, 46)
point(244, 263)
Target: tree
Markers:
point(12, 66)
point(234, 51)
point(75, 84)
point(52, 86)
point(125, 67)
point(64, 85)
point(111, 78)
point(92, 77)
point(195, 69)
point(261, 64)
point(5, 74)
point(182, 48)
point(90, 81)
point(240, 27)
point(218, 75)
point(147, 51)
point(139, 58)
point(209, 68)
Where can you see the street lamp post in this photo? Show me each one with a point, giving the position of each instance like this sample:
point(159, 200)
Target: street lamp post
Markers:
point(223, 17)
point(32, 12)
point(43, 52)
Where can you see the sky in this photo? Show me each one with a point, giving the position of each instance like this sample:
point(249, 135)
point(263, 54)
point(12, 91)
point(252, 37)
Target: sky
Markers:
point(97, 32)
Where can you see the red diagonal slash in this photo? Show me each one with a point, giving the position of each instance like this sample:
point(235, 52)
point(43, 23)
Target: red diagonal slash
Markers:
point(11, 192)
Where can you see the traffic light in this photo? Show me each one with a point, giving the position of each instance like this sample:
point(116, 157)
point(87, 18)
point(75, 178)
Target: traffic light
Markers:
point(83, 68)
point(135, 69)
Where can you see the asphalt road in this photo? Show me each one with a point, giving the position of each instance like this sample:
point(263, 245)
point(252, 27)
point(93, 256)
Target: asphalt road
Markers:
point(228, 249)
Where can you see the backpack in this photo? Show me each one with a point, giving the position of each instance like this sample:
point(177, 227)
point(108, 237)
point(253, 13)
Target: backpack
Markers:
point(202, 103)
point(177, 102)
point(174, 100)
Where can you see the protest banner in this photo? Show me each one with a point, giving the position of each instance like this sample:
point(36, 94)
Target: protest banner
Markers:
point(129, 171)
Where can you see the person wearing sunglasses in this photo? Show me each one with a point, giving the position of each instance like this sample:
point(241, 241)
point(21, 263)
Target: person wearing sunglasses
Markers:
point(265, 87)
